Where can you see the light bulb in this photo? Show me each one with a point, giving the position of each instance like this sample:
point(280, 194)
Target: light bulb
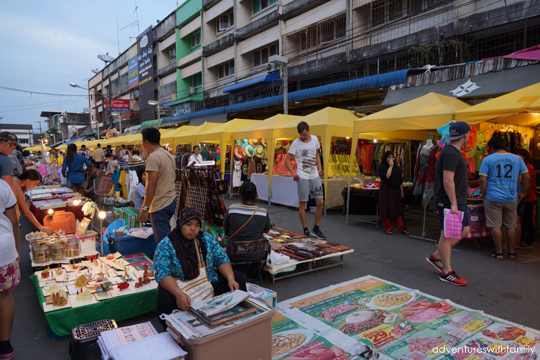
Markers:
point(76, 202)
point(374, 140)
point(102, 215)
point(50, 212)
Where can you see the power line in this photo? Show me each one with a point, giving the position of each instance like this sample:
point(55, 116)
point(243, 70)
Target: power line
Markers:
point(40, 93)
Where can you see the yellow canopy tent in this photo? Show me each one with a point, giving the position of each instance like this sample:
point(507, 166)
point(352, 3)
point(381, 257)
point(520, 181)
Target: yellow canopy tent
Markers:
point(326, 123)
point(264, 130)
point(188, 136)
point(521, 107)
point(134, 139)
point(37, 148)
point(169, 138)
point(223, 135)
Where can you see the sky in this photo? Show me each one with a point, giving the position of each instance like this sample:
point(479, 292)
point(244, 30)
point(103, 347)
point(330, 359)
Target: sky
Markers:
point(46, 45)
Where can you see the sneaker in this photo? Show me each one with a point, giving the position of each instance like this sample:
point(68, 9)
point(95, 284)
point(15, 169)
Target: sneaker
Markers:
point(307, 233)
point(524, 246)
point(453, 278)
point(437, 264)
point(318, 234)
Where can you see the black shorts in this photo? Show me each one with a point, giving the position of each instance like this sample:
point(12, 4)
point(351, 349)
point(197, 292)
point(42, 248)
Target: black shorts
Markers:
point(440, 211)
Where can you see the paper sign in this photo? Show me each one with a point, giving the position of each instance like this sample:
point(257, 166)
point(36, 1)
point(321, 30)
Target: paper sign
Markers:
point(82, 227)
point(133, 333)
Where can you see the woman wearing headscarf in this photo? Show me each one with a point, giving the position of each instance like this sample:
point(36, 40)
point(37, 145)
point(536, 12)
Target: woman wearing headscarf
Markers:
point(390, 194)
point(176, 259)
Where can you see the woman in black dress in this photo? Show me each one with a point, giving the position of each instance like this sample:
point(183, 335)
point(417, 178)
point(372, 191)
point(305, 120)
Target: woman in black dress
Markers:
point(390, 194)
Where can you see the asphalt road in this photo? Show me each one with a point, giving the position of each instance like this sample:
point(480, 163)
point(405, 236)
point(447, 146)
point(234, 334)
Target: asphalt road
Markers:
point(506, 289)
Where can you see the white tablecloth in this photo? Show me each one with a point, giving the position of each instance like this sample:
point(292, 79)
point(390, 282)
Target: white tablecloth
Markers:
point(283, 189)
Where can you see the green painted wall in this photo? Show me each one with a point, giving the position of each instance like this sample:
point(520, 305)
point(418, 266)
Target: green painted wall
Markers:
point(188, 11)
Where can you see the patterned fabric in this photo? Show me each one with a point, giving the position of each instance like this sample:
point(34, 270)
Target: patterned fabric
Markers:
point(166, 262)
point(424, 174)
point(10, 276)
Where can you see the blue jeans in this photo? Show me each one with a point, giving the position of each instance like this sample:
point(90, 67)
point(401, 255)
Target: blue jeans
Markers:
point(161, 221)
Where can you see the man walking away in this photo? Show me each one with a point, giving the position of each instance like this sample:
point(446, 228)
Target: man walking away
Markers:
point(308, 181)
point(160, 198)
point(98, 157)
point(451, 189)
point(501, 190)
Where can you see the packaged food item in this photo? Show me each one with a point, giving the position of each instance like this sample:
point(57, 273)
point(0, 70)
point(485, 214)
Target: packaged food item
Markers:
point(40, 253)
point(57, 251)
point(72, 249)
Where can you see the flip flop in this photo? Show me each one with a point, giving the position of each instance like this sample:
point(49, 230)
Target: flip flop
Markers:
point(496, 255)
point(512, 256)
point(388, 232)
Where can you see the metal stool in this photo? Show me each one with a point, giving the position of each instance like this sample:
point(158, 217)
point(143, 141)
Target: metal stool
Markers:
point(87, 334)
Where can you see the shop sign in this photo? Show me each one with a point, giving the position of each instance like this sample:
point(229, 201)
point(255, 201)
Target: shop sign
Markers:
point(133, 73)
point(168, 98)
point(118, 104)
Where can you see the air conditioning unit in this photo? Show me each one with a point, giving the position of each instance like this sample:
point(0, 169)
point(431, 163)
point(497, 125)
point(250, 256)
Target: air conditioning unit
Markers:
point(271, 67)
point(192, 91)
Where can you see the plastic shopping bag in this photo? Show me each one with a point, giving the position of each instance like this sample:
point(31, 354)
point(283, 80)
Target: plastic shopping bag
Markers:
point(452, 224)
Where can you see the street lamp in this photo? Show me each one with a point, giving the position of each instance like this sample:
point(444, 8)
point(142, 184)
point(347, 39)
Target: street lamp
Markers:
point(282, 60)
point(102, 102)
point(115, 116)
point(155, 103)
point(40, 131)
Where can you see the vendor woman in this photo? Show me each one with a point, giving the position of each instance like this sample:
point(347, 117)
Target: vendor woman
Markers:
point(176, 259)
point(390, 194)
point(26, 181)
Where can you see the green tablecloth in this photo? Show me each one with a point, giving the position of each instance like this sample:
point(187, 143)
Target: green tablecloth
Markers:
point(118, 309)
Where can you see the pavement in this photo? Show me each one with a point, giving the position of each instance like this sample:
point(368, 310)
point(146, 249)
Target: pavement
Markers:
point(506, 289)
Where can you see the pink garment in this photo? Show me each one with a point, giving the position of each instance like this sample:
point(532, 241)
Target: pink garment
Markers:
point(42, 170)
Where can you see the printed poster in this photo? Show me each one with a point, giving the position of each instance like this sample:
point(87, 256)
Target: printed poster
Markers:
point(402, 323)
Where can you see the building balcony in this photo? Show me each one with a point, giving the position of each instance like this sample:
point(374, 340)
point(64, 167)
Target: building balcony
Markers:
point(258, 25)
point(169, 69)
point(209, 3)
point(297, 6)
point(217, 45)
point(124, 91)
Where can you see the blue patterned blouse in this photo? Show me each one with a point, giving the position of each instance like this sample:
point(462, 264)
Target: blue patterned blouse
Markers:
point(166, 262)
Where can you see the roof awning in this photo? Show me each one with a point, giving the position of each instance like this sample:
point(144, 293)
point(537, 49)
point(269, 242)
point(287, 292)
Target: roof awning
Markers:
point(266, 78)
point(151, 123)
point(369, 82)
point(488, 85)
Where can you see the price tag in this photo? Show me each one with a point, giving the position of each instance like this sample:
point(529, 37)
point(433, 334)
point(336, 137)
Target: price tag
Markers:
point(379, 336)
point(525, 341)
point(474, 326)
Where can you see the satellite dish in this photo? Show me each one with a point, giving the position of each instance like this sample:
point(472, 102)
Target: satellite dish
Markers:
point(105, 58)
point(95, 71)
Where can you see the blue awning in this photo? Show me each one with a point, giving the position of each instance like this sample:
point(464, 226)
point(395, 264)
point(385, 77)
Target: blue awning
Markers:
point(369, 82)
point(266, 78)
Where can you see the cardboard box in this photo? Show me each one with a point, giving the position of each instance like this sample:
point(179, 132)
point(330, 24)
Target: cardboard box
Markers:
point(87, 243)
point(269, 296)
point(250, 340)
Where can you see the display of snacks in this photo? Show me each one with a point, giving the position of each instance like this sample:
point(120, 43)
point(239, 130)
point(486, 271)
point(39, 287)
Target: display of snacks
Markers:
point(72, 249)
point(40, 253)
point(58, 251)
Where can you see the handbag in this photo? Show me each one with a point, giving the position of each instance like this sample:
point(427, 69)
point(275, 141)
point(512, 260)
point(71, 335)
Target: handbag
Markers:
point(229, 244)
point(200, 287)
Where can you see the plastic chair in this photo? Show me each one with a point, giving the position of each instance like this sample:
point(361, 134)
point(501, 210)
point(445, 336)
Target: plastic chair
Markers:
point(104, 186)
point(61, 220)
point(116, 224)
point(260, 247)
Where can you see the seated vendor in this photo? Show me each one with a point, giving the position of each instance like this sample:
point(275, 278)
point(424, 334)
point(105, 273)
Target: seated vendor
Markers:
point(176, 259)
point(246, 222)
point(91, 173)
point(138, 193)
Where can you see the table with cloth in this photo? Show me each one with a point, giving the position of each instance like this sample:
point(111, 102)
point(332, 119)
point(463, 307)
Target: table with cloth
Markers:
point(284, 191)
point(40, 214)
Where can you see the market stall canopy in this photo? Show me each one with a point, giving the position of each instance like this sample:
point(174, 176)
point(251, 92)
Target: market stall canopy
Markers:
point(169, 137)
point(188, 137)
point(222, 134)
point(332, 122)
point(263, 129)
point(427, 112)
point(520, 107)
point(37, 148)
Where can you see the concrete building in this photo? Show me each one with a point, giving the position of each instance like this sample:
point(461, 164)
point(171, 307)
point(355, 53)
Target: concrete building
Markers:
point(24, 133)
point(62, 125)
point(348, 53)
point(165, 61)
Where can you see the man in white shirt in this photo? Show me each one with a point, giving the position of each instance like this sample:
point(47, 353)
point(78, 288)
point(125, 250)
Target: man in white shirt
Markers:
point(306, 152)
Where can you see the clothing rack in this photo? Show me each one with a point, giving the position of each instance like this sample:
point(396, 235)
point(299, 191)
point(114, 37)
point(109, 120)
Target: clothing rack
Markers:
point(424, 230)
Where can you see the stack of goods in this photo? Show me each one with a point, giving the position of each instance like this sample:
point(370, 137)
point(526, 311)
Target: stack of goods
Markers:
point(140, 341)
point(88, 282)
point(370, 185)
point(129, 215)
point(206, 317)
point(300, 247)
point(340, 165)
point(198, 187)
point(279, 165)
point(52, 248)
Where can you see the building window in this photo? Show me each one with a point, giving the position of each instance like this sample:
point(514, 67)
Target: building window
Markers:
point(261, 56)
point(315, 35)
point(386, 10)
point(196, 38)
point(259, 5)
point(196, 80)
point(225, 22)
point(332, 29)
point(226, 69)
point(417, 6)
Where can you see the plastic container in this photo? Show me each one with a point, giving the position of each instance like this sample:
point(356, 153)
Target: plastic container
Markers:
point(87, 243)
point(72, 248)
point(58, 252)
point(40, 253)
point(269, 296)
point(232, 344)
point(127, 245)
point(61, 220)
